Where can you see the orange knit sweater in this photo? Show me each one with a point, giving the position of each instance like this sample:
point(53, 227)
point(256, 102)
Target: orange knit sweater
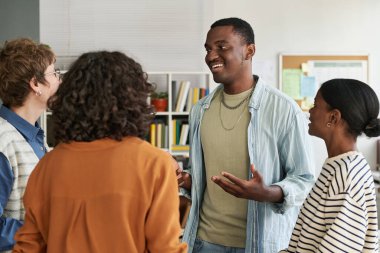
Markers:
point(102, 196)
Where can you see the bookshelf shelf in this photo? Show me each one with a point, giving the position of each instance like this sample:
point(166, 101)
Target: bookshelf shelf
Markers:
point(179, 113)
point(162, 113)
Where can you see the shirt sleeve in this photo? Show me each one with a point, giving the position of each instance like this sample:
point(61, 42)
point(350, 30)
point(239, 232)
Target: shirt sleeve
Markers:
point(28, 238)
point(8, 226)
point(349, 227)
point(297, 165)
point(183, 191)
point(162, 223)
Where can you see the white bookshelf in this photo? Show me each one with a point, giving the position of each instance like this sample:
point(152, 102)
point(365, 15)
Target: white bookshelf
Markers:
point(163, 82)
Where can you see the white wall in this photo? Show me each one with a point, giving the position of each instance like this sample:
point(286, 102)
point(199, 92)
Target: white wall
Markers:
point(163, 35)
point(170, 34)
point(310, 26)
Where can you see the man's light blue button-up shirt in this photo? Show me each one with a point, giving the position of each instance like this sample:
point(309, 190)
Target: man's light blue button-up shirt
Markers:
point(280, 148)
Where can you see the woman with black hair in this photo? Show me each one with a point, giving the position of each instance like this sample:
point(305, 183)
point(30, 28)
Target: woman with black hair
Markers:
point(340, 215)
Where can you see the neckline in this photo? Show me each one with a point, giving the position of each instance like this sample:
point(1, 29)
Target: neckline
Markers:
point(349, 153)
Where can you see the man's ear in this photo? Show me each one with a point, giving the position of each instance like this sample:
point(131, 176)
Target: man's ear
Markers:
point(251, 49)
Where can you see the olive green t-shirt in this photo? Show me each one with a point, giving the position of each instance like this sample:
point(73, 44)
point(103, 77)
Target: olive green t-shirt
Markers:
point(223, 217)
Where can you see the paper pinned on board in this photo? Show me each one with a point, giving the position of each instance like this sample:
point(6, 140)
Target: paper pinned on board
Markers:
point(291, 80)
point(305, 68)
point(326, 70)
point(308, 86)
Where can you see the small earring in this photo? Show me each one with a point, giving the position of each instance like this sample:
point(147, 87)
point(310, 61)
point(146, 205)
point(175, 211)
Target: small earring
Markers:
point(328, 124)
point(38, 93)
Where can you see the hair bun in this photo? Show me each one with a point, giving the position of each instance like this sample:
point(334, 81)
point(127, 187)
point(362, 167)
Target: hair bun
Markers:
point(373, 128)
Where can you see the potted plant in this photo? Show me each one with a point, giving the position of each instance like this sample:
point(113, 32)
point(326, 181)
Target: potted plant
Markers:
point(160, 101)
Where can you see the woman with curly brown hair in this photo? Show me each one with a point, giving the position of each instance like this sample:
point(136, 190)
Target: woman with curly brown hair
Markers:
point(27, 80)
point(103, 188)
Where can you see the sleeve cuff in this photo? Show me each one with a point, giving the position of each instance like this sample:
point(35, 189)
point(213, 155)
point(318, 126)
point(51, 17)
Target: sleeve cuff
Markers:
point(281, 208)
point(185, 193)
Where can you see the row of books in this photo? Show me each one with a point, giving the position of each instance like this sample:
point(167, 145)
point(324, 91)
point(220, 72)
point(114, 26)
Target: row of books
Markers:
point(184, 96)
point(180, 132)
point(159, 135)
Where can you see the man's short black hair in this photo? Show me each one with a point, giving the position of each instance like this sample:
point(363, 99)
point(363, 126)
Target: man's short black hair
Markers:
point(243, 28)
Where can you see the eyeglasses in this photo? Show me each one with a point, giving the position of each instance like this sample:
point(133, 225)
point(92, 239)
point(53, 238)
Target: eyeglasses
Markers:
point(57, 73)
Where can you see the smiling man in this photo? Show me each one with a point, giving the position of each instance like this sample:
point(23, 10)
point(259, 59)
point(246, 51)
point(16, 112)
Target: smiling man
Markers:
point(251, 165)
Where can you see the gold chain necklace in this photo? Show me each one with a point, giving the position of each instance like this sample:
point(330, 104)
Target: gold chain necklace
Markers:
point(232, 108)
point(221, 121)
point(235, 106)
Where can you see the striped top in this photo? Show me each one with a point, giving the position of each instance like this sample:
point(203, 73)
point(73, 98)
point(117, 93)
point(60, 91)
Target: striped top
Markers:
point(339, 215)
point(22, 160)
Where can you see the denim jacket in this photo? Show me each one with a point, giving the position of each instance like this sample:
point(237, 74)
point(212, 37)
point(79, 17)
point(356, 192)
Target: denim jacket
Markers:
point(280, 148)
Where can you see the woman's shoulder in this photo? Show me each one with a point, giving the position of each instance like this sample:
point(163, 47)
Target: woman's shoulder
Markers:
point(351, 169)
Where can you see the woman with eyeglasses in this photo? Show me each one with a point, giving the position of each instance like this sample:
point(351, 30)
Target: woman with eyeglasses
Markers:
point(27, 80)
point(103, 188)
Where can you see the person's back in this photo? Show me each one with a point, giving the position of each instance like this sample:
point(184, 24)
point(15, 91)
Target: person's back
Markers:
point(105, 196)
point(102, 188)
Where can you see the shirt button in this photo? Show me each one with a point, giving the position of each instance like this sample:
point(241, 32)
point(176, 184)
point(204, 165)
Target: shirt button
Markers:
point(42, 148)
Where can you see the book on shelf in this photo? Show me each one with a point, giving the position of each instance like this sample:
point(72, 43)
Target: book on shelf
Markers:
point(189, 100)
point(180, 135)
point(195, 96)
point(175, 89)
point(204, 92)
point(166, 137)
point(184, 134)
point(180, 130)
point(152, 134)
point(180, 148)
point(178, 124)
point(174, 132)
point(182, 96)
point(158, 134)
point(179, 92)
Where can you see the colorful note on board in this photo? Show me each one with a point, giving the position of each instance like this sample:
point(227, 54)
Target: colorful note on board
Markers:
point(308, 86)
point(291, 81)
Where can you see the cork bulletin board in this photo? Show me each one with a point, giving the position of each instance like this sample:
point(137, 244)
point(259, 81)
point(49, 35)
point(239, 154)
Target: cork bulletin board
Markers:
point(300, 75)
